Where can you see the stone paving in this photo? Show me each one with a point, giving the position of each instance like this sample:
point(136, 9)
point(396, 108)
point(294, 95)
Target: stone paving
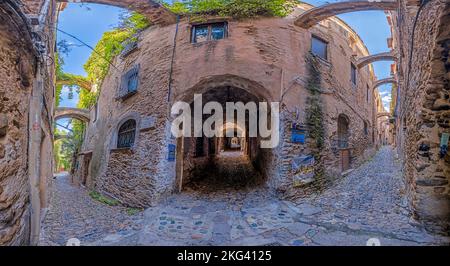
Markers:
point(74, 214)
point(367, 203)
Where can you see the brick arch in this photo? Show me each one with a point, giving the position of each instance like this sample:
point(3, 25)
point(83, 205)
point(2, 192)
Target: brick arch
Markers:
point(387, 56)
point(252, 87)
point(315, 15)
point(153, 10)
point(380, 82)
point(66, 112)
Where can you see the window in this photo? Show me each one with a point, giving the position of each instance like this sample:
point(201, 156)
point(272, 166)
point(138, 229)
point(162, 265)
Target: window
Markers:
point(130, 82)
point(366, 129)
point(129, 47)
point(353, 73)
point(343, 131)
point(367, 95)
point(126, 134)
point(319, 47)
point(206, 32)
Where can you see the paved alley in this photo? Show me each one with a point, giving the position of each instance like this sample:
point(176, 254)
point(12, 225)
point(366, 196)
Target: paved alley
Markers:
point(367, 203)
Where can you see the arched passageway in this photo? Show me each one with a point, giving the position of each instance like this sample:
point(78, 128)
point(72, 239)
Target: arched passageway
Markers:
point(228, 160)
point(67, 112)
point(386, 56)
point(380, 82)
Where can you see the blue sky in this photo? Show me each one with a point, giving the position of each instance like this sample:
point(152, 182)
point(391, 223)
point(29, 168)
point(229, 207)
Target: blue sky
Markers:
point(89, 21)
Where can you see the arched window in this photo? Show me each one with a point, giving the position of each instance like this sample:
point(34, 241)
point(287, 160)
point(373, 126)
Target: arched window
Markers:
point(126, 134)
point(366, 128)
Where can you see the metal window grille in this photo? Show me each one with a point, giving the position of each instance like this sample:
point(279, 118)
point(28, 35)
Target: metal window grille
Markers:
point(126, 134)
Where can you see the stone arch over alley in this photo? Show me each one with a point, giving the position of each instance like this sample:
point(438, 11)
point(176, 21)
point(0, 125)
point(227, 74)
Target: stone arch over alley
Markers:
point(233, 159)
point(380, 82)
point(386, 56)
point(317, 14)
point(68, 112)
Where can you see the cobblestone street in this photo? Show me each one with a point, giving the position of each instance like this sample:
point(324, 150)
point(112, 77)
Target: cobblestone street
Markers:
point(367, 203)
point(74, 214)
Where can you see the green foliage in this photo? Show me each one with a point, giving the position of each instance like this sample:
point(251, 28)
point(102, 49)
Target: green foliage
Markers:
point(178, 8)
point(103, 199)
point(111, 44)
point(133, 211)
point(393, 99)
point(64, 150)
point(63, 156)
point(234, 8)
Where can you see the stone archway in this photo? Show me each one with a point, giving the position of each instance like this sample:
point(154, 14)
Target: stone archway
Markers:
point(380, 82)
point(315, 15)
point(387, 56)
point(152, 9)
point(77, 113)
point(214, 162)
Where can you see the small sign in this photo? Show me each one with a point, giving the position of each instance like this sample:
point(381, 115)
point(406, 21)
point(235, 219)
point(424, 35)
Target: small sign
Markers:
point(148, 122)
point(303, 168)
point(171, 155)
point(298, 136)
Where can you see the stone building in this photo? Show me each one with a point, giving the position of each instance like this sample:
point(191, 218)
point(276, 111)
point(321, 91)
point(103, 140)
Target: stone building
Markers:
point(26, 117)
point(130, 154)
point(306, 61)
point(422, 39)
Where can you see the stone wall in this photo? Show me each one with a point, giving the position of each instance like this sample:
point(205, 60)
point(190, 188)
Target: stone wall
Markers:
point(265, 57)
point(26, 111)
point(16, 71)
point(423, 109)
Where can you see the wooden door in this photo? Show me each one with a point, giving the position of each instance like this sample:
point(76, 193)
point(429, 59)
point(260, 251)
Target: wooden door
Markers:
point(345, 159)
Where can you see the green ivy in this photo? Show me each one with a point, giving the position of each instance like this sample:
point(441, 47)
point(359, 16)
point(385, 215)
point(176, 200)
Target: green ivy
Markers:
point(112, 44)
point(314, 115)
point(234, 8)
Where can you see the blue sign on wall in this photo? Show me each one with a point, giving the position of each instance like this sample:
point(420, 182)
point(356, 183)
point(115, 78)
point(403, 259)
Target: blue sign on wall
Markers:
point(171, 155)
point(298, 136)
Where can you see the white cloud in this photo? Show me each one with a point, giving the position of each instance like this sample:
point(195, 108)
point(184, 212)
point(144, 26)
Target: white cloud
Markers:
point(386, 101)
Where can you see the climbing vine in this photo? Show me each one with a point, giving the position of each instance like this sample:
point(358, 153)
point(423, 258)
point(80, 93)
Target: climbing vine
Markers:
point(314, 115)
point(97, 66)
point(234, 8)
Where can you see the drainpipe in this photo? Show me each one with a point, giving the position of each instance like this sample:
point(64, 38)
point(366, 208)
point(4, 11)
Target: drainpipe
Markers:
point(34, 155)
